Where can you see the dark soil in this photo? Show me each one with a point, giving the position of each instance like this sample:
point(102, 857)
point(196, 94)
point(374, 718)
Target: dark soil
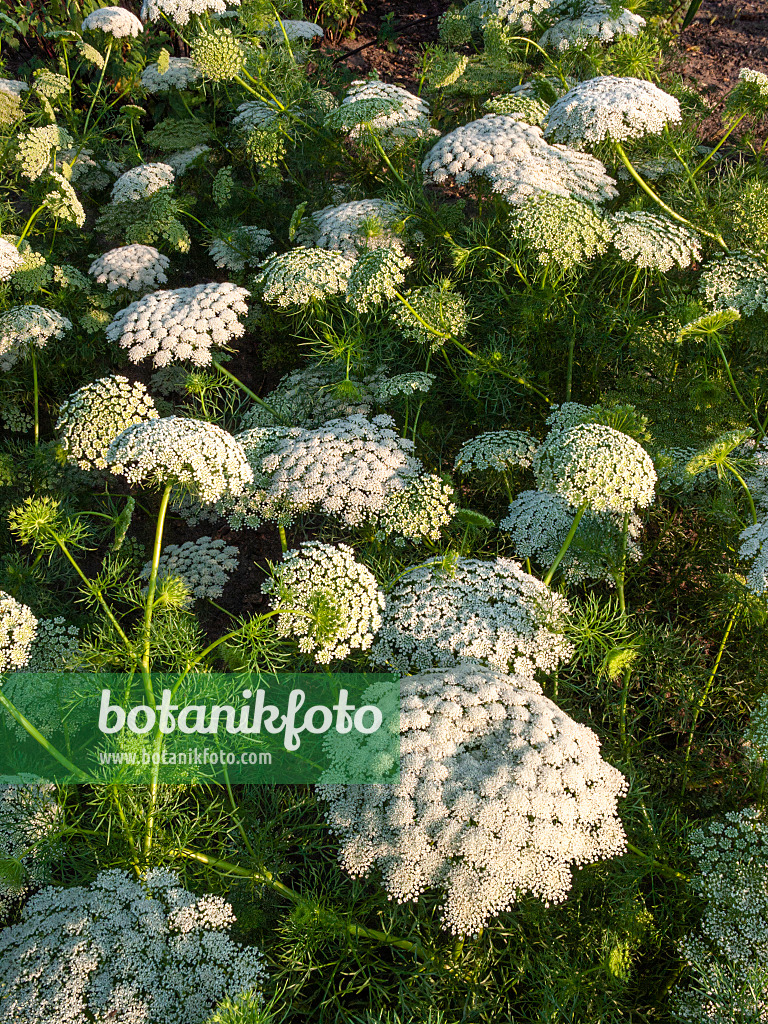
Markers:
point(726, 36)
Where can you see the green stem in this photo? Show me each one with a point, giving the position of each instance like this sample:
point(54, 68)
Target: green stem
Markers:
point(742, 481)
point(697, 710)
point(623, 709)
point(736, 391)
point(152, 586)
point(35, 391)
point(135, 861)
point(623, 567)
point(247, 390)
point(264, 877)
point(566, 544)
point(667, 209)
point(283, 538)
point(89, 586)
point(709, 156)
point(663, 869)
point(14, 712)
point(98, 88)
point(27, 227)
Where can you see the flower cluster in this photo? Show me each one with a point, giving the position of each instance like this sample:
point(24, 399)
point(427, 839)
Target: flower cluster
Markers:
point(737, 281)
point(756, 735)
point(142, 181)
point(62, 201)
point(181, 10)
point(181, 73)
point(244, 245)
point(350, 227)
point(35, 146)
point(204, 565)
point(296, 30)
point(47, 83)
point(417, 513)
point(312, 396)
point(183, 323)
point(497, 450)
point(254, 114)
point(339, 599)
point(598, 466)
point(595, 21)
point(539, 522)
point(218, 53)
point(181, 161)
point(17, 631)
point(113, 21)
point(500, 793)
point(517, 161)
point(12, 88)
point(608, 107)
point(302, 275)
point(653, 241)
point(523, 108)
point(393, 113)
point(562, 230)
point(376, 275)
point(437, 306)
point(198, 457)
point(93, 416)
point(36, 690)
point(21, 327)
point(122, 949)
point(134, 267)
point(731, 940)
point(30, 818)
point(347, 468)
point(439, 615)
point(10, 259)
point(85, 172)
point(403, 384)
point(754, 546)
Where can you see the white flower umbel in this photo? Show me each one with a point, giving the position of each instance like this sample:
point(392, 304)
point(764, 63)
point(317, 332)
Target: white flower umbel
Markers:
point(315, 395)
point(199, 457)
point(180, 324)
point(298, 277)
point(350, 227)
point(181, 10)
point(182, 160)
point(653, 242)
point(35, 146)
point(93, 416)
point(406, 384)
point(756, 733)
point(341, 596)
point(21, 327)
point(595, 21)
point(204, 565)
point(418, 513)
point(296, 31)
point(137, 952)
point(539, 522)
point(376, 276)
point(113, 21)
point(562, 230)
point(500, 793)
point(243, 245)
point(523, 108)
point(10, 259)
point(754, 547)
point(522, 13)
point(518, 162)
point(134, 267)
point(440, 615)
point(737, 281)
point(17, 631)
point(218, 53)
point(254, 114)
point(30, 819)
point(497, 450)
point(347, 468)
point(758, 481)
point(142, 181)
point(404, 116)
point(444, 310)
point(728, 950)
point(596, 466)
point(62, 201)
point(13, 88)
point(181, 74)
point(610, 108)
